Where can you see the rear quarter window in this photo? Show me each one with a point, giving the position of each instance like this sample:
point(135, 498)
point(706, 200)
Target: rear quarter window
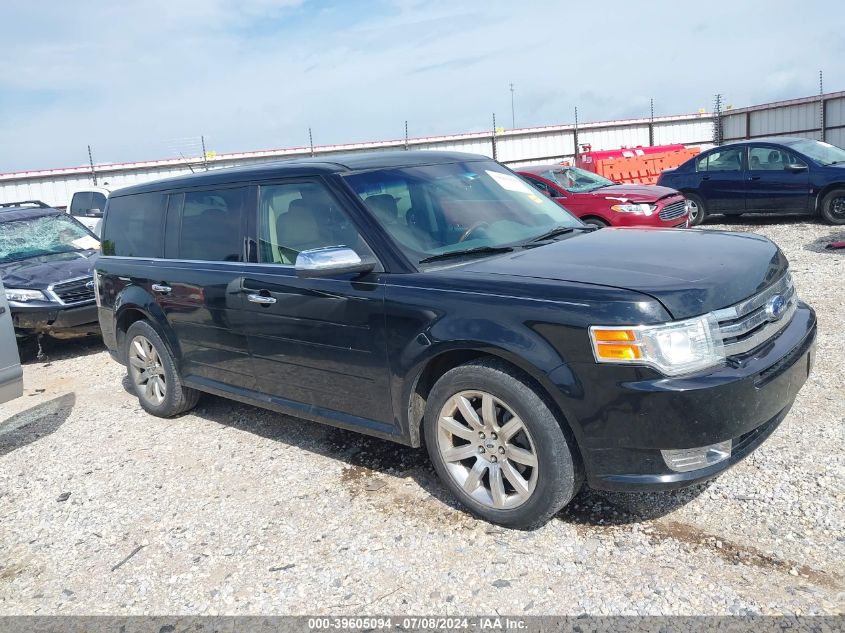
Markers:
point(133, 226)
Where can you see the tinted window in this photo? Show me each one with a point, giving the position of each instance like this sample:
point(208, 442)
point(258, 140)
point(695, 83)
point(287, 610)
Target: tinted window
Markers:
point(98, 200)
point(133, 225)
point(211, 225)
point(80, 203)
point(295, 217)
point(721, 160)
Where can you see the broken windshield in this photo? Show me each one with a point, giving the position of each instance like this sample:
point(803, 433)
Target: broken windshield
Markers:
point(21, 239)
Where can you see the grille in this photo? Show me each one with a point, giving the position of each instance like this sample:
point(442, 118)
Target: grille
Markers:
point(672, 211)
point(74, 291)
point(746, 325)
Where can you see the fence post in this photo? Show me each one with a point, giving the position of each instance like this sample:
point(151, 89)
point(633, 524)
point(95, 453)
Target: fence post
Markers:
point(91, 162)
point(311, 142)
point(575, 135)
point(204, 153)
point(822, 113)
point(406, 135)
point(493, 138)
point(651, 126)
point(717, 120)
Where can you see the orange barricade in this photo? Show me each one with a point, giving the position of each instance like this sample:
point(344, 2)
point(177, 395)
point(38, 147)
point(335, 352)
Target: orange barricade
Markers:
point(643, 169)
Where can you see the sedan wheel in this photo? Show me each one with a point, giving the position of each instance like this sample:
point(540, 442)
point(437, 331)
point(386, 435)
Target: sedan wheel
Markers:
point(147, 371)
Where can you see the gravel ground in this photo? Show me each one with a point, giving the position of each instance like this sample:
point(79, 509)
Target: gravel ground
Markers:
point(235, 510)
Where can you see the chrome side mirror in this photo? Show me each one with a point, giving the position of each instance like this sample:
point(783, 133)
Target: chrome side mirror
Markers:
point(330, 261)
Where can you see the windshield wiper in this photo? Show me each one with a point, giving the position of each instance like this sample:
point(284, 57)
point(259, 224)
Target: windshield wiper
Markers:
point(559, 230)
point(478, 250)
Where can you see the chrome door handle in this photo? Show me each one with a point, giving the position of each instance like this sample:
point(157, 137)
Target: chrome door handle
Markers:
point(160, 288)
point(262, 299)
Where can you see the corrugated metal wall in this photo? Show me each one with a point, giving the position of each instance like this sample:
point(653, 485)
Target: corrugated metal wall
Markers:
point(515, 147)
point(799, 117)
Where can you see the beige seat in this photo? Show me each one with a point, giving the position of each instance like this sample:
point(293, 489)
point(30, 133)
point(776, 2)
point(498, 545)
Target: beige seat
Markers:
point(299, 230)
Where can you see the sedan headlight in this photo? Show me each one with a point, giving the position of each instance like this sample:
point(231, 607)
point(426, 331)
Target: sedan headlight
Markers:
point(21, 295)
point(642, 209)
point(676, 348)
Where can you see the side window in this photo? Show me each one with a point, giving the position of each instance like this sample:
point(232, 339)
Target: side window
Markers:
point(98, 201)
point(133, 225)
point(80, 203)
point(211, 225)
point(295, 217)
point(721, 160)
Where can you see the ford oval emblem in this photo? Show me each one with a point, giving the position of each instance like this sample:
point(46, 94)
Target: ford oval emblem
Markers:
point(775, 307)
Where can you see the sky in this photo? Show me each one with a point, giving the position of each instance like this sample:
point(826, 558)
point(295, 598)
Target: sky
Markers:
point(144, 79)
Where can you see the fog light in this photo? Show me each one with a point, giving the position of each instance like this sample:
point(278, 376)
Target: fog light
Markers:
point(687, 459)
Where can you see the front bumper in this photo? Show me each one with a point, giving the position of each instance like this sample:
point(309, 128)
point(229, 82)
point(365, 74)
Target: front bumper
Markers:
point(644, 413)
point(56, 319)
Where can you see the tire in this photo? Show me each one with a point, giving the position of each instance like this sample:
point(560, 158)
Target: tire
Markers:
point(543, 489)
point(700, 211)
point(833, 207)
point(153, 374)
point(28, 347)
point(595, 222)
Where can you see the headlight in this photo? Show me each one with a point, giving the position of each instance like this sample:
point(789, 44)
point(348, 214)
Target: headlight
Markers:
point(22, 295)
point(676, 348)
point(643, 209)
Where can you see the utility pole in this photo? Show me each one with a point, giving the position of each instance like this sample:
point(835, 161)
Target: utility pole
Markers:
point(311, 142)
point(91, 162)
point(513, 116)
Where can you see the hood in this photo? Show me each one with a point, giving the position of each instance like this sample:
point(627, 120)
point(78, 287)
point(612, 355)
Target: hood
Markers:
point(634, 193)
point(39, 272)
point(690, 272)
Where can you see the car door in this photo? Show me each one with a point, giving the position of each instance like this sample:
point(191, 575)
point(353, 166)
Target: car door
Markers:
point(778, 181)
point(722, 179)
point(198, 283)
point(318, 344)
point(11, 375)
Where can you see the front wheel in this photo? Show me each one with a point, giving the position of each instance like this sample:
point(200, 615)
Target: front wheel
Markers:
point(833, 207)
point(153, 373)
point(697, 211)
point(498, 447)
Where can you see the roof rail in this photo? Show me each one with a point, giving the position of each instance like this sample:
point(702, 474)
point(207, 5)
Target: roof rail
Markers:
point(21, 203)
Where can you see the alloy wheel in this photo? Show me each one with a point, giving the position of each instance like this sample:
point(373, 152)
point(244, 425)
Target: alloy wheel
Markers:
point(147, 370)
point(694, 210)
point(487, 450)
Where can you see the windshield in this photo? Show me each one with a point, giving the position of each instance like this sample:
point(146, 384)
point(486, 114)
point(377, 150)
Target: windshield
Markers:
point(437, 209)
point(822, 153)
point(577, 180)
point(21, 239)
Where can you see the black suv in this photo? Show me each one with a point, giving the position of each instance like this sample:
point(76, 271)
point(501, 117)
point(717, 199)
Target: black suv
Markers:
point(436, 298)
point(47, 263)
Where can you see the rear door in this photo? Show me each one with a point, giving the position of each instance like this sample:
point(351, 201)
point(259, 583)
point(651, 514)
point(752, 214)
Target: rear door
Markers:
point(11, 375)
point(723, 179)
point(773, 186)
point(198, 283)
point(318, 344)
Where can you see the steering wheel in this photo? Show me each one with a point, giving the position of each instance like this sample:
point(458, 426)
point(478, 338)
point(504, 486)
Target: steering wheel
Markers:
point(472, 228)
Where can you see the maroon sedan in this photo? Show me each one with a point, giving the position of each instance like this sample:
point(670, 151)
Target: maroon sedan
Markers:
point(602, 202)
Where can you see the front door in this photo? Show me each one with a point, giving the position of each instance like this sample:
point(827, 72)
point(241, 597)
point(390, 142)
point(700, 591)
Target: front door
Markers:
point(722, 180)
point(775, 184)
point(198, 285)
point(318, 344)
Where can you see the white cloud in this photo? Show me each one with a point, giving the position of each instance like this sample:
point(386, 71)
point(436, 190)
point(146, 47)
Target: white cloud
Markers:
point(129, 78)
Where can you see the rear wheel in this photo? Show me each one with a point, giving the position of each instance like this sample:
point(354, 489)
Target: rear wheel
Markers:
point(153, 373)
point(833, 207)
point(498, 447)
point(697, 211)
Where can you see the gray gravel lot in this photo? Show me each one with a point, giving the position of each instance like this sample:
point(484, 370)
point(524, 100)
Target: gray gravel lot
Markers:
point(235, 510)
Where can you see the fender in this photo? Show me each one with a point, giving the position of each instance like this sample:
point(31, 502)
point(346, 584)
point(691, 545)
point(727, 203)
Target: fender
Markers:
point(136, 298)
point(554, 376)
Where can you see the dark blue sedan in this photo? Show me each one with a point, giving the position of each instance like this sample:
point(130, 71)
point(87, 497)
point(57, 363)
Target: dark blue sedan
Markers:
point(766, 175)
